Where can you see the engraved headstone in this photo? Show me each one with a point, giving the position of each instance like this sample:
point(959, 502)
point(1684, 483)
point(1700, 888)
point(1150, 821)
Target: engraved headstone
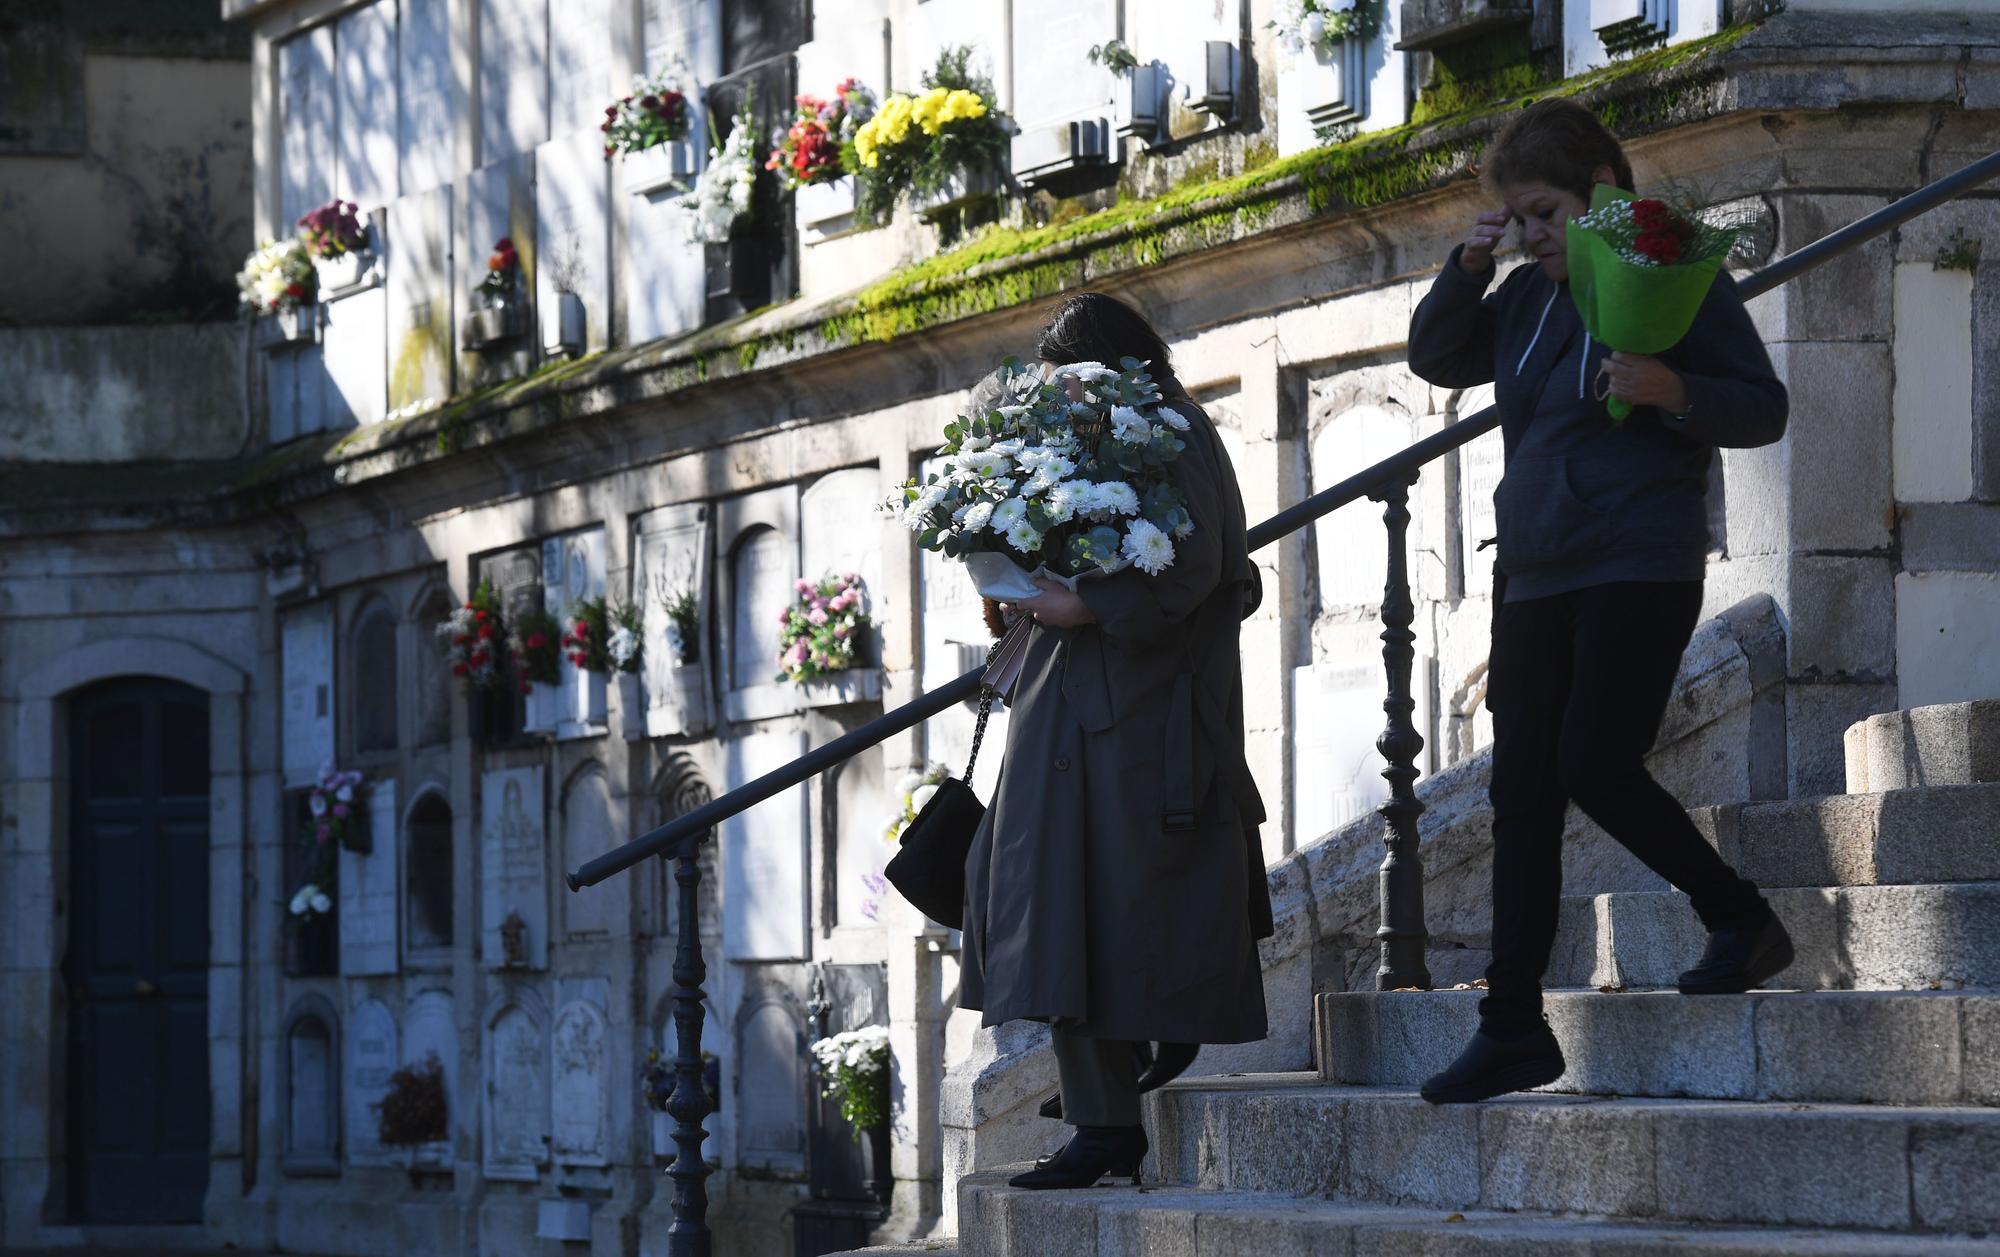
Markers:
point(371, 1057)
point(306, 665)
point(580, 83)
point(354, 333)
point(513, 76)
point(839, 529)
point(517, 1097)
point(312, 1133)
point(422, 334)
point(572, 573)
point(580, 1108)
point(368, 909)
point(587, 834)
point(761, 585)
point(513, 863)
point(307, 121)
point(365, 141)
point(771, 1126)
point(573, 207)
point(764, 856)
point(429, 99)
point(670, 559)
point(1353, 549)
point(499, 204)
point(1058, 82)
point(431, 1029)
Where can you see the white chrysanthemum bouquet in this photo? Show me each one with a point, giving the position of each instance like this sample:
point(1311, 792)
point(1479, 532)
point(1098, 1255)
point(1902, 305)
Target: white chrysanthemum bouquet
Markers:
point(1070, 478)
point(854, 1065)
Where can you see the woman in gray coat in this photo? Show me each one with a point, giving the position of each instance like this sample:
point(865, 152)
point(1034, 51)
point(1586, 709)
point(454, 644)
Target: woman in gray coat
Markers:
point(1116, 886)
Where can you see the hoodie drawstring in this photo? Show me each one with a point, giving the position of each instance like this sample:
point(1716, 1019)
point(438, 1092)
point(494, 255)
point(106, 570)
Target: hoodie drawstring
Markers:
point(1539, 324)
point(1583, 366)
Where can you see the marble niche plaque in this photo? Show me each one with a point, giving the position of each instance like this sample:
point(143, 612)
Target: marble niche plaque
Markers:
point(306, 666)
point(365, 141)
point(670, 558)
point(368, 904)
point(430, 1027)
point(517, 1093)
point(764, 856)
point(371, 1058)
point(587, 833)
point(513, 866)
point(1353, 542)
point(428, 103)
point(580, 1108)
point(573, 572)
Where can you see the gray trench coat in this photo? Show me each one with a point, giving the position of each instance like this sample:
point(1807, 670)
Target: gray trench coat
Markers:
point(1116, 886)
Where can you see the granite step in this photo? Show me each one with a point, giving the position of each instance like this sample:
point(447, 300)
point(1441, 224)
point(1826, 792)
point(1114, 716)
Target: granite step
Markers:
point(1897, 938)
point(1861, 1047)
point(920, 1248)
point(998, 1221)
point(1946, 745)
point(1893, 837)
point(1862, 1167)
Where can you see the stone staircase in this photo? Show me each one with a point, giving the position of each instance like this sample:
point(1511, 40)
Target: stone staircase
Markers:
point(1857, 1111)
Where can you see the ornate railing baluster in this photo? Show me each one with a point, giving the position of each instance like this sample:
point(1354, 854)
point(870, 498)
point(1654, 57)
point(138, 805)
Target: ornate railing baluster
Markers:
point(1402, 931)
point(688, 1236)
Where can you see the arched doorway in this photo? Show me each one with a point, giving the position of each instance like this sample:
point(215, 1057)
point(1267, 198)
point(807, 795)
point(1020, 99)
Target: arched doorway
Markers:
point(136, 966)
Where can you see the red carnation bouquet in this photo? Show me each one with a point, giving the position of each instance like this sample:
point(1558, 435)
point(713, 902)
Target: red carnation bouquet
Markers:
point(474, 639)
point(819, 145)
point(535, 648)
point(503, 267)
point(1640, 269)
point(588, 637)
point(655, 112)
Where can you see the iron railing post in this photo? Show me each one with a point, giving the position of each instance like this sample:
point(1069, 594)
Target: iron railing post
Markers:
point(688, 1236)
point(1402, 931)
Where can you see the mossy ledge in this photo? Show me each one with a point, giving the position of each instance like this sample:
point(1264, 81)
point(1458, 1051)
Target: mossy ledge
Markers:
point(1003, 268)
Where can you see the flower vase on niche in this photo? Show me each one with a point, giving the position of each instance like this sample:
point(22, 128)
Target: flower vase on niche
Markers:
point(513, 941)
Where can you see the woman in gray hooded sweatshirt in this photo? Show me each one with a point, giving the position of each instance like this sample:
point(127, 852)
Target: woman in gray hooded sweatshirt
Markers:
point(1603, 541)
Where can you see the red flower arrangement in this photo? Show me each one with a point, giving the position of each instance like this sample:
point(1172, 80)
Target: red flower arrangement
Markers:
point(474, 639)
point(1663, 235)
point(588, 637)
point(333, 230)
point(816, 148)
point(534, 647)
point(654, 113)
point(503, 266)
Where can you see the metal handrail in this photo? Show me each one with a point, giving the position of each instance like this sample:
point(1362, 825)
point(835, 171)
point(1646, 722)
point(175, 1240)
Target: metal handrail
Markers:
point(675, 834)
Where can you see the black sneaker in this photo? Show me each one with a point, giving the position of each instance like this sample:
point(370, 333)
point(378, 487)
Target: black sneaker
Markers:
point(1489, 1067)
point(1740, 958)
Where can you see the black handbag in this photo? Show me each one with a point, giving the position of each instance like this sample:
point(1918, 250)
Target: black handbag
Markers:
point(929, 868)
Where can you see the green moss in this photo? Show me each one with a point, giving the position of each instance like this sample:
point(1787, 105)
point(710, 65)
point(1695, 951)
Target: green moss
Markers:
point(1959, 253)
point(419, 346)
point(1002, 267)
point(1476, 74)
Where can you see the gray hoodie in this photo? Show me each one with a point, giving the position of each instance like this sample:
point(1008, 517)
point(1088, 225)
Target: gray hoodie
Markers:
point(1586, 501)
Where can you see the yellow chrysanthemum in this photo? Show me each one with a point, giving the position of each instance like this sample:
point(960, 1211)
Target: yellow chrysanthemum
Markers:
point(961, 104)
point(893, 120)
point(928, 109)
point(866, 143)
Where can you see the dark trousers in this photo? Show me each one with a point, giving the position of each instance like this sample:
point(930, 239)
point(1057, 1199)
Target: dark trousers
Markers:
point(1099, 1079)
point(1577, 684)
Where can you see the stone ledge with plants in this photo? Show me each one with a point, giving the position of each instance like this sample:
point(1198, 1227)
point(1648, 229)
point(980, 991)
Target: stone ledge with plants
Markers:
point(1006, 267)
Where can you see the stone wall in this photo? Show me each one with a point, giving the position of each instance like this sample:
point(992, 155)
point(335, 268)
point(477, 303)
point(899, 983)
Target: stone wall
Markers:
point(123, 394)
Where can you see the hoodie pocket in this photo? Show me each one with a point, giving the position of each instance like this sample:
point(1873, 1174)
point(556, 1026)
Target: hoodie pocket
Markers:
point(1542, 521)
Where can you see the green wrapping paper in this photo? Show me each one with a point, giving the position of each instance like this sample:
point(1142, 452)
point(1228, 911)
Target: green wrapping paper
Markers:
point(1629, 308)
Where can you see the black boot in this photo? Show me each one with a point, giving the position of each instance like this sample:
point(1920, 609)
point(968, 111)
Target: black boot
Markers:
point(1168, 1063)
point(1489, 1067)
point(1739, 958)
point(1147, 1066)
point(1093, 1153)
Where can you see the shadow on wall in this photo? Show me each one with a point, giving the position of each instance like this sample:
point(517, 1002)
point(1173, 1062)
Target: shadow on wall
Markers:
point(125, 171)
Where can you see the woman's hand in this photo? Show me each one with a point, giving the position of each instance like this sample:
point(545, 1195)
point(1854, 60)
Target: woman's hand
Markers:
point(1056, 606)
point(1476, 258)
point(1646, 381)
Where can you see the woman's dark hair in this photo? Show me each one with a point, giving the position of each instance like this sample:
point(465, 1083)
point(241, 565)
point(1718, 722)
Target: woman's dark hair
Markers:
point(1557, 142)
point(1091, 327)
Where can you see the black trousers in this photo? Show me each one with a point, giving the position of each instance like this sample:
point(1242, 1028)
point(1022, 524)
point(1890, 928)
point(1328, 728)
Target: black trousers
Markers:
point(1577, 684)
point(1099, 1079)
